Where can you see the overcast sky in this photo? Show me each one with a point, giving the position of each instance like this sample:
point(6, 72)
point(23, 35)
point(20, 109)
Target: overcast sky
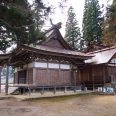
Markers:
point(60, 15)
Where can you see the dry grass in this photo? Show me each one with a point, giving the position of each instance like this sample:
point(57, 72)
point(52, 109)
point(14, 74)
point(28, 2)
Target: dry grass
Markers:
point(75, 105)
point(56, 98)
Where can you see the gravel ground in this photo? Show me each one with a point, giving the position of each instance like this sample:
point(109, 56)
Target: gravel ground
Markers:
point(86, 105)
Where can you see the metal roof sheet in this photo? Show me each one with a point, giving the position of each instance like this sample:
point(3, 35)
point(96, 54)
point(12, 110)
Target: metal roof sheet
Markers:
point(101, 56)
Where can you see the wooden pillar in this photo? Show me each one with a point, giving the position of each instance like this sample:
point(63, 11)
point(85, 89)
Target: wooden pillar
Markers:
point(75, 76)
point(54, 90)
point(79, 77)
point(93, 84)
point(42, 91)
point(104, 74)
point(29, 90)
point(34, 76)
point(72, 76)
point(27, 76)
point(59, 72)
point(75, 79)
point(65, 89)
point(47, 74)
point(93, 79)
point(0, 77)
point(7, 77)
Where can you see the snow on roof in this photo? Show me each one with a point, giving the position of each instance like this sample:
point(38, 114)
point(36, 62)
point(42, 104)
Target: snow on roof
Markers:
point(102, 56)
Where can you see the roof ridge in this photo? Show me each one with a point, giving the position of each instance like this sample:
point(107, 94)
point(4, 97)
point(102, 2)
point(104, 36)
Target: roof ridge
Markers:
point(104, 49)
point(58, 26)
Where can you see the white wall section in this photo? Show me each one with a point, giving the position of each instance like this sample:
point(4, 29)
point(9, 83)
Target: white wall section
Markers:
point(40, 64)
point(64, 66)
point(53, 65)
point(44, 65)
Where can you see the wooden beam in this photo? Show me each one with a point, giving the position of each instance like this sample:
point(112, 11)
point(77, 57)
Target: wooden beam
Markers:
point(7, 77)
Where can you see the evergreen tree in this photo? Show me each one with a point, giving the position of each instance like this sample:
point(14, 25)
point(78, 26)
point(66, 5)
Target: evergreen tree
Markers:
point(92, 21)
point(37, 14)
point(17, 24)
point(72, 31)
point(109, 31)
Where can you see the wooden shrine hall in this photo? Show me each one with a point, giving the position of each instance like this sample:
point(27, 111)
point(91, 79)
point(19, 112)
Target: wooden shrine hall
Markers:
point(51, 62)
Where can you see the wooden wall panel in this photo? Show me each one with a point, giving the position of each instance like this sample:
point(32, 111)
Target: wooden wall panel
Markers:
point(40, 78)
point(111, 72)
point(98, 74)
point(16, 78)
point(30, 76)
point(65, 77)
point(94, 74)
point(52, 77)
point(78, 77)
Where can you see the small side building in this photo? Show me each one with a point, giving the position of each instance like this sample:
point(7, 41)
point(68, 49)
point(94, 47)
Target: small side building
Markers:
point(100, 69)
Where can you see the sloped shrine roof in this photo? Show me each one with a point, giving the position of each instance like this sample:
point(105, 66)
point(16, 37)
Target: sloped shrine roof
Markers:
point(101, 56)
point(26, 53)
point(54, 33)
point(50, 51)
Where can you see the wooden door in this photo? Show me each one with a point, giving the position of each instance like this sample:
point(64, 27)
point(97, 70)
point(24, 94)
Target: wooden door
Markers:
point(22, 77)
